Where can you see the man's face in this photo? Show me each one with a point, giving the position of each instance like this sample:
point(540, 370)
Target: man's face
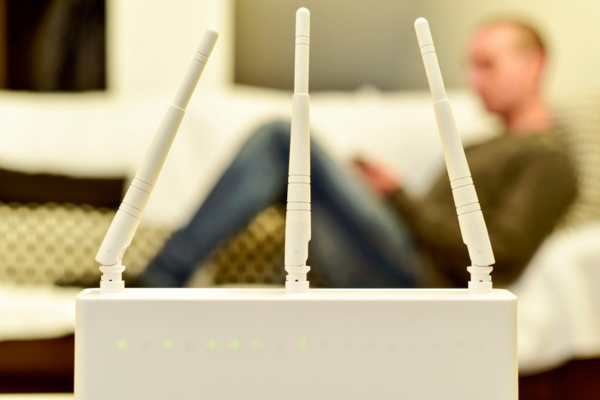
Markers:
point(502, 75)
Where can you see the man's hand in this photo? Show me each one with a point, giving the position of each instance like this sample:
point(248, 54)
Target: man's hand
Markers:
point(378, 177)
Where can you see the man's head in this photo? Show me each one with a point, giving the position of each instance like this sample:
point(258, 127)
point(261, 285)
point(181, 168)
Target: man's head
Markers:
point(506, 65)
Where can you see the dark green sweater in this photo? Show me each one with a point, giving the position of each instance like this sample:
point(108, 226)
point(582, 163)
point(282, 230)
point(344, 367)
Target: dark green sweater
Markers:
point(524, 185)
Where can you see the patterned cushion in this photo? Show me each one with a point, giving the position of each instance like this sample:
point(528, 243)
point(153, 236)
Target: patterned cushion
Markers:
point(579, 118)
point(45, 243)
point(256, 254)
point(48, 243)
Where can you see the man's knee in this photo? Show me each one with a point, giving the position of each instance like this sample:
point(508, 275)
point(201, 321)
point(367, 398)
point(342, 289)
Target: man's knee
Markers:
point(277, 131)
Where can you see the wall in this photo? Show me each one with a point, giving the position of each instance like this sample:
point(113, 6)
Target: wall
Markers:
point(151, 42)
point(571, 28)
point(352, 43)
point(358, 42)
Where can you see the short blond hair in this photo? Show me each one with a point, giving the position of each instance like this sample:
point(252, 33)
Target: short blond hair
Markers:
point(528, 37)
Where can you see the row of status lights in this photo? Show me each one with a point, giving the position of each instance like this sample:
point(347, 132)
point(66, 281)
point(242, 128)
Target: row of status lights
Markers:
point(214, 345)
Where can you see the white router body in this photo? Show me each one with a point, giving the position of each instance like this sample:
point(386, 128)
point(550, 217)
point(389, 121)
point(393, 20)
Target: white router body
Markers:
point(266, 344)
point(297, 343)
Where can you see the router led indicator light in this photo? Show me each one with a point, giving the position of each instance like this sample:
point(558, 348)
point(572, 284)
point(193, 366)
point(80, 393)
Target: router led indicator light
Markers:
point(235, 344)
point(257, 344)
point(212, 345)
point(302, 345)
point(167, 344)
point(122, 344)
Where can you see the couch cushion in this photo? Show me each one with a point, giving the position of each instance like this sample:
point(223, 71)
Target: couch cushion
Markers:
point(45, 243)
point(579, 118)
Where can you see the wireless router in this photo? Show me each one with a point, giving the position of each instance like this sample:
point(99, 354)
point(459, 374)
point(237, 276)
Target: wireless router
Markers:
point(297, 343)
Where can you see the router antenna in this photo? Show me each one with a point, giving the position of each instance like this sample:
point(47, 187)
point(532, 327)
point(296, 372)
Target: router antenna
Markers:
point(123, 227)
point(470, 218)
point(297, 226)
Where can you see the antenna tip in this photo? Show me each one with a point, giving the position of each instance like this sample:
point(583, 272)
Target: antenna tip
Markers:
point(303, 22)
point(208, 41)
point(303, 11)
point(213, 31)
point(421, 21)
point(423, 32)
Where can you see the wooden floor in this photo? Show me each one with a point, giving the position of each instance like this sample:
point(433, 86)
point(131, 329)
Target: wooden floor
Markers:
point(37, 366)
point(577, 380)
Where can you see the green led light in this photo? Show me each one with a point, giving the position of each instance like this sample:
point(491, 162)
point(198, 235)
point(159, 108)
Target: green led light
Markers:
point(167, 344)
point(235, 344)
point(212, 345)
point(257, 344)
point(122, 344)
point(302, 345)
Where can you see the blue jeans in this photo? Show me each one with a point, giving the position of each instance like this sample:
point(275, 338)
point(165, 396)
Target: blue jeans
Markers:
point(358, 240)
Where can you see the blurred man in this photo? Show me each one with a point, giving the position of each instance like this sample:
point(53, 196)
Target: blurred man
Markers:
point(374, 235)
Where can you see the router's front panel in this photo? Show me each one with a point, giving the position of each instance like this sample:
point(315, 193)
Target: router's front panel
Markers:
point(296, 349)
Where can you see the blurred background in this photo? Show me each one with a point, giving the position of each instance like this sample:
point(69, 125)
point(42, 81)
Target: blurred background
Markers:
point(96, 44)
